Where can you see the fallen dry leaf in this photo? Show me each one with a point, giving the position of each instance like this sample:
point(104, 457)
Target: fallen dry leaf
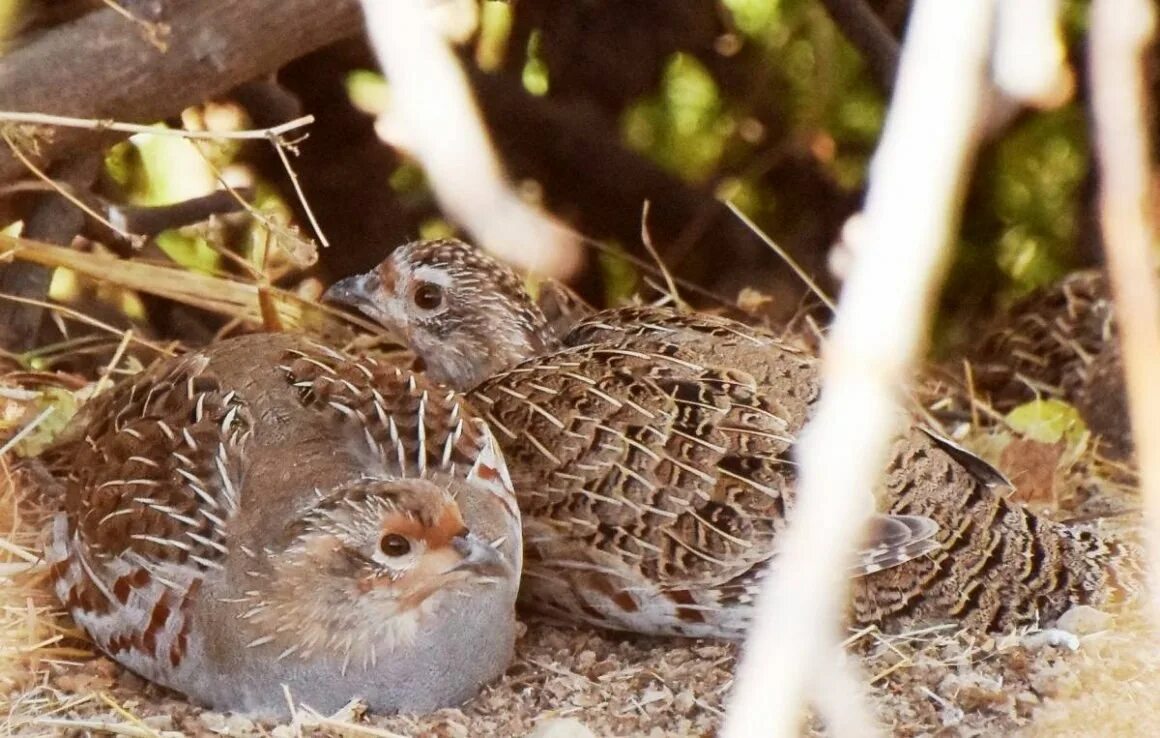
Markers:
point(1031, 467)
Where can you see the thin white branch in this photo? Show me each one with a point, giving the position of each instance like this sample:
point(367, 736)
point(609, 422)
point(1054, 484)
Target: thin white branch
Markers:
point(1120, 30)
point(912, 208)
point(433, 117)
point(1030, 55)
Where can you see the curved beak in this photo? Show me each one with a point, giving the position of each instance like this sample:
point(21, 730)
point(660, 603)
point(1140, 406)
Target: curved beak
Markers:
point(357, 291)
point(479, 557)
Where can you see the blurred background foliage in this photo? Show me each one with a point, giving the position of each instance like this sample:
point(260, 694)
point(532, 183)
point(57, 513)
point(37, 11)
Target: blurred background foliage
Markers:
point(762, 103)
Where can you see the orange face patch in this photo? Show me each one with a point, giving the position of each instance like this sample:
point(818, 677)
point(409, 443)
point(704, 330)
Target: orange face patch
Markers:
point(439, 534)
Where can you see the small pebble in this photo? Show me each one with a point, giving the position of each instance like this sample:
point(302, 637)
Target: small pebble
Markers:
point(1084, 620)
point(1051, 637)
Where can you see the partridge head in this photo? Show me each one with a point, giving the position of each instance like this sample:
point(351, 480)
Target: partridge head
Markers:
point(652, 452)
point(270, 513)
point(467, 316)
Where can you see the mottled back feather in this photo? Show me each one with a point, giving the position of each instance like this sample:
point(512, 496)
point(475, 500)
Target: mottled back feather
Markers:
point(652, 455)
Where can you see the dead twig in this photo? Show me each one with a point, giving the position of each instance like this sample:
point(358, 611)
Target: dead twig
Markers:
point(912, 208)
point(92, 124)
point(866, 31)
point(73, 70)
point(646, 239)
point(1120, 30)
point(434, 118)
point(63, 191)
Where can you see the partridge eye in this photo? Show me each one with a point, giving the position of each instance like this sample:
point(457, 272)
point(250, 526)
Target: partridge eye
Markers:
point(395, 545)
point(428, 296)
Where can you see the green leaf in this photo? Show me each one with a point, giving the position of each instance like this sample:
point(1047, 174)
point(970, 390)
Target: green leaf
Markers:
point(535, 72)
point(1048, 421)
point(368, 91)
point(64, 405)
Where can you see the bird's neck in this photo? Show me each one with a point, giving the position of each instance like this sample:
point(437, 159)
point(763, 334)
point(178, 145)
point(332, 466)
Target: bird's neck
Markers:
point(495, 352)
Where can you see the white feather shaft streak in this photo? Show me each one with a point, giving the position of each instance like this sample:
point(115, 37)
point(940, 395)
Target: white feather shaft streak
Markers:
point(1120, 30)
point(916, 185)
point(433, 117)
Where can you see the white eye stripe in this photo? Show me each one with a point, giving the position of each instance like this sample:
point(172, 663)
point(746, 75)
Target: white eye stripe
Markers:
point(432, 274)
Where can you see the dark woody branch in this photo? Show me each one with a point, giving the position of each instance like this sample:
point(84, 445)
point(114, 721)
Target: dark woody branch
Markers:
point(102, 66)
point(869, 35)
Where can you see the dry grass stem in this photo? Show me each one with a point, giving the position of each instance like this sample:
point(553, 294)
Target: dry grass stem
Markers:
point(434, 118)
point(912, 208)
point(1120, 30)
point(63, 191)
point(777, 249)
point(83, 318)
point(216, 294)
point(40, 119)
point(281, 149)
point(646, 239)
point(27, 430)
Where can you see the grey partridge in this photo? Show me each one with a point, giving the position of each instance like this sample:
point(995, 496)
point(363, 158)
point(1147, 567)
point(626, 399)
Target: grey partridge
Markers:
point(1060, 342)
point(652, 457)
point(269, 512)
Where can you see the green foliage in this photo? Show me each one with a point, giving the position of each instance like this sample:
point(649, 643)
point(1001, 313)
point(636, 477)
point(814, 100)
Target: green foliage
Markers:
point(683, 128)
point(1021, 228)
point(495, 26)
point(11, 12)
point(368, 90)
point(64, 406)
point(535, 74)
point(619, 276)
point(1048, 421)
point(693, 129)
point(163, 169)
point(755, 18)
point(410, 182)
point(1035, 187)
point(433, 228)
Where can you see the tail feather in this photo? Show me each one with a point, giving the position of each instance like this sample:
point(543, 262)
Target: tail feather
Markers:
point(998, 565)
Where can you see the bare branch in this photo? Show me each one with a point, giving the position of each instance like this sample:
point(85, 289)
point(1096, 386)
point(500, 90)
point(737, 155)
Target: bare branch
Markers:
point(866, 31)
point(144, 222)
point(912, 209)
point(1120, 30)
point(112, 125)
point(433, 117)
point(55, 219)
point(100, 67)
point(63, 190)
point(1030, 56)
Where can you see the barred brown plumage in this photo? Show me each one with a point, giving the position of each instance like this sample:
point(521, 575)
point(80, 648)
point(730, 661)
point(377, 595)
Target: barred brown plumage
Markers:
point(222, 525)
point(651, 452)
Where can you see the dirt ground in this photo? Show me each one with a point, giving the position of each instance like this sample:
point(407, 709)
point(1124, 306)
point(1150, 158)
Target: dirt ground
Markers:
point(566, 682)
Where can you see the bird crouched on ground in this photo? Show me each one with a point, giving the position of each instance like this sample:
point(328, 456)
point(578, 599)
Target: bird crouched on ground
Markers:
point(651, 453)
point(268, 512)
